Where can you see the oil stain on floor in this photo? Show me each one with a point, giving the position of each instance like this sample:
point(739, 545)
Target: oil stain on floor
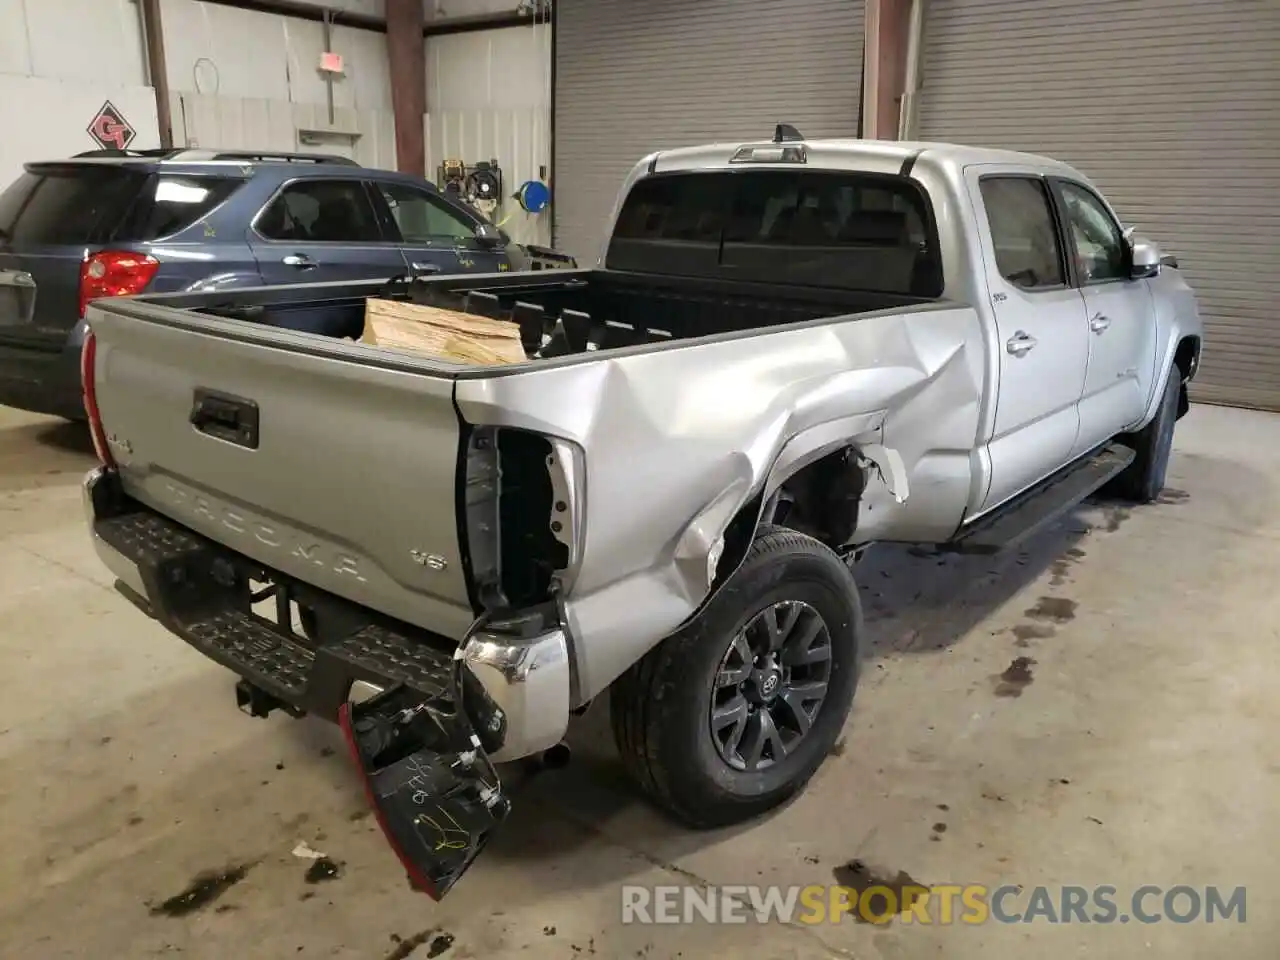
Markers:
point(202, 891)
point(1016, 677)
point(903, 890)
point(436, 940)
point(1024, 633)
point(1053, 610)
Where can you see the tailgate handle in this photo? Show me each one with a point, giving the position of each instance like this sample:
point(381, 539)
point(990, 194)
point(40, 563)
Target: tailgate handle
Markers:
point(225, 417)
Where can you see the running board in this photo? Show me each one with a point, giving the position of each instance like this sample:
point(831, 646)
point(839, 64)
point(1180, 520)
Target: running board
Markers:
point(1043, 504)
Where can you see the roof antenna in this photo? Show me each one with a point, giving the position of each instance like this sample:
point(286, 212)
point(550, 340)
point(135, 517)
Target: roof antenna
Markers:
point(784, 132)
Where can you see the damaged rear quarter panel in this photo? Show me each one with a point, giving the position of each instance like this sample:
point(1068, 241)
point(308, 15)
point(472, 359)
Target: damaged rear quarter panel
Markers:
point(670, 432)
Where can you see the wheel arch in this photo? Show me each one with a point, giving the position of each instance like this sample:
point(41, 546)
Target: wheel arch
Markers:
point(1186, 359)
point(819, 462)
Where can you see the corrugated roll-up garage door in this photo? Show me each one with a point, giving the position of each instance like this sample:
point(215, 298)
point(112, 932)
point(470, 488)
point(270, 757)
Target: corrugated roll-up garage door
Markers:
point(1173, 107)
point(634, 76)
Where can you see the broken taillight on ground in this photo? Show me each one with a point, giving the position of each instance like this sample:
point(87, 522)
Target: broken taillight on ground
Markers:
point(432, 787)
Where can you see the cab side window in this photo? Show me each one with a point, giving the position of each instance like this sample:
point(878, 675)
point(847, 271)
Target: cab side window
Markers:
point(1098, 240)
point(1023, 232)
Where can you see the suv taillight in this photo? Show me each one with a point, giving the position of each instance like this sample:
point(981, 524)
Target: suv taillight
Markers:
point(88, 387)
point(114, 273)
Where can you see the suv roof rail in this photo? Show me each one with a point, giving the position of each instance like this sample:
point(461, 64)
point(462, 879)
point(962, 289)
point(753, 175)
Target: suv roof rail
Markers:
point(261, 156)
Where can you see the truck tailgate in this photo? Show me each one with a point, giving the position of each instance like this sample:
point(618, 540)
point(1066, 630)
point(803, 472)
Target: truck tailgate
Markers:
point(340, 474)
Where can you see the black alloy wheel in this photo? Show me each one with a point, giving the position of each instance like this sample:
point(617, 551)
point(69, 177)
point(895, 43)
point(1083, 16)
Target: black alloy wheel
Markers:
point(770, 686)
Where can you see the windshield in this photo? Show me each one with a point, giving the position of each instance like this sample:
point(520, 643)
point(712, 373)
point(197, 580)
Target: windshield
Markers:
point(852, 231)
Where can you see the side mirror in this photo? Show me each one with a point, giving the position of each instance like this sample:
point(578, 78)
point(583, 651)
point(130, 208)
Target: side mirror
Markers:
point(489, 236)
point(1146, 260)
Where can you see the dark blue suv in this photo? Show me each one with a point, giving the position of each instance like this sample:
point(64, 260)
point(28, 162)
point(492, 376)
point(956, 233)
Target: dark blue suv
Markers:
point(159, 221)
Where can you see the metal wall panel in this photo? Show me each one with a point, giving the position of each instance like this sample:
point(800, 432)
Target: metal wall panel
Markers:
point(244, 123)
point(1172, 106)
point(633, 76)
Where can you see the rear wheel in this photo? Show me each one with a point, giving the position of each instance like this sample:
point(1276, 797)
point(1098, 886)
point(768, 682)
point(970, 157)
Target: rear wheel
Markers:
point(732, 715)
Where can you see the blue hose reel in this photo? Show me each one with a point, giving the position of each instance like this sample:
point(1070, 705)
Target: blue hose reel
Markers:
point(533, 196)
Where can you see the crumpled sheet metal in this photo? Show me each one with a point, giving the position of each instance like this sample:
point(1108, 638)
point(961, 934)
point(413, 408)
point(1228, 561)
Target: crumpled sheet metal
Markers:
point(686, 435)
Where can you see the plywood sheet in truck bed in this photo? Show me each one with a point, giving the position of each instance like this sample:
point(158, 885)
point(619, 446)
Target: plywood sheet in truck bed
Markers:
point(446, 334)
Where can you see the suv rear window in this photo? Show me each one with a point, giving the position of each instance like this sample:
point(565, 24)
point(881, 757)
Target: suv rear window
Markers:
point(170, 203)
point(77, 203)
point(99, 203)
point(852, 231)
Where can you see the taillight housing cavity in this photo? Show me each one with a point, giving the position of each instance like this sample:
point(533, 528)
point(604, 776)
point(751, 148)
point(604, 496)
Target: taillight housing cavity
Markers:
point(114, 273)
point(89, 391)
point(521, 517)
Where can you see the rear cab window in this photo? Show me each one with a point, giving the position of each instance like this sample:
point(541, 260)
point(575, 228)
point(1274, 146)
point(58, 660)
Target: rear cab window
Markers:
point(843, 230)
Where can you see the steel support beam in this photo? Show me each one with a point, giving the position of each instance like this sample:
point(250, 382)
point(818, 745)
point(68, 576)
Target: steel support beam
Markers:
point(157, 72)
point(884, 66)
point(406, 55)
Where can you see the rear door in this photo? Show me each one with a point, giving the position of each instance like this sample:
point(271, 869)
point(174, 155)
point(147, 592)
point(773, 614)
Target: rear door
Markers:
point(436, 236)
point(316, 230)
point(49, 218)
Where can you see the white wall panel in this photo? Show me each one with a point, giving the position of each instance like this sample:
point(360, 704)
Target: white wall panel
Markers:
point(253, 123)
point(443, 9)
point(59, 60)
point(51, 117)
point(99, 41)
point(15, 50)
point(488, 96)
point(226, 51)
point(371, 8)
point(248, 80)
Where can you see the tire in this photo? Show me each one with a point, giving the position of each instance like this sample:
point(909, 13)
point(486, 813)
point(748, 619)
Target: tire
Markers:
point(1143, 480)
point(661, 708)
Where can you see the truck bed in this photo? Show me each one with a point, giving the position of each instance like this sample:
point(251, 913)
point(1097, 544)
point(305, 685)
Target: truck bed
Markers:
point(434, 492)
point(561, 313)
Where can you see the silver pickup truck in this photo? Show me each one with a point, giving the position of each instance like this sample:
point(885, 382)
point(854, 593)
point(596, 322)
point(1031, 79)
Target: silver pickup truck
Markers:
point(788, 351)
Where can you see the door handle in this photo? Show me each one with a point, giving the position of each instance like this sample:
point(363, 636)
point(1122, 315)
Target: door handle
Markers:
point(1020, 343)
point(299, 260)
point(423, 269)
point(1099, 323)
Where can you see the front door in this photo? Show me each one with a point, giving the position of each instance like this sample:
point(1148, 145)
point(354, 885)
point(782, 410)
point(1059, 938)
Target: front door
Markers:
point(1121, 311)
point(436, 236)
point(323, 229)
point(1042, 330)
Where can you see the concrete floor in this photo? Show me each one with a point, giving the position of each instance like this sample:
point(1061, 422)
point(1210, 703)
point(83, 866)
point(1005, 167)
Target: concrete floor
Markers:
point(1143, 750)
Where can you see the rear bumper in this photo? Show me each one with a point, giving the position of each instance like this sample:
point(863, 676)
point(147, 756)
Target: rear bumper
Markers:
point(514, 687)
point(42, 381)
